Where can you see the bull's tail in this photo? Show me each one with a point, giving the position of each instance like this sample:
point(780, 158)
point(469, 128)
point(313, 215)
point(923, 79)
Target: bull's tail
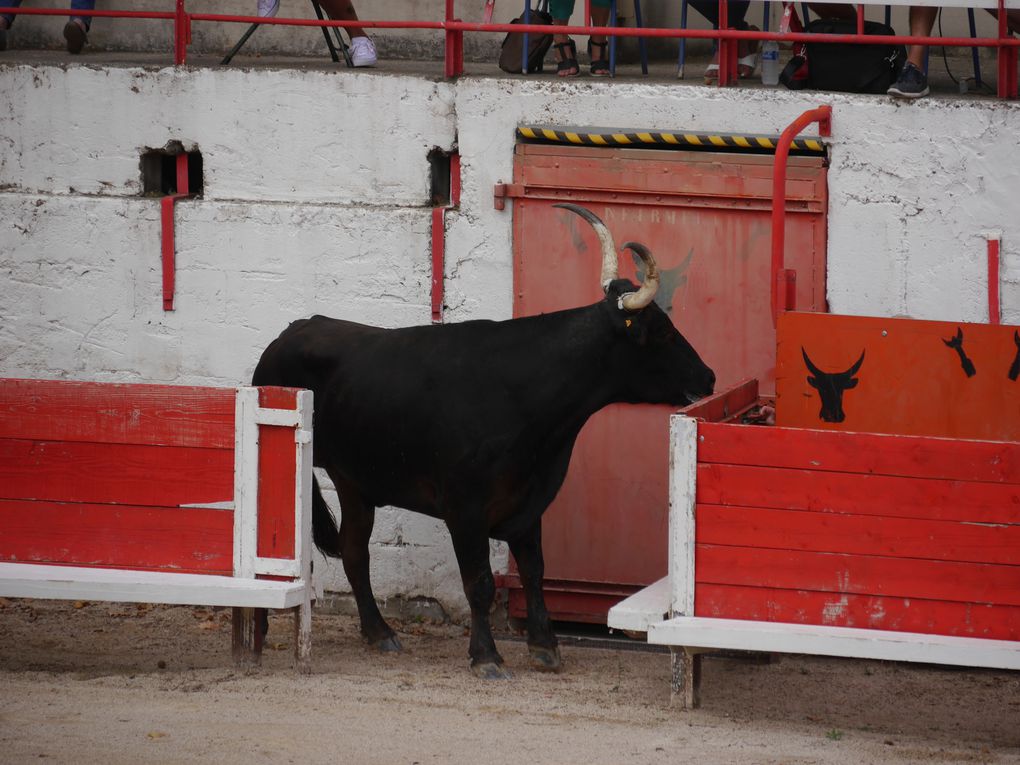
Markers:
point(324, 529)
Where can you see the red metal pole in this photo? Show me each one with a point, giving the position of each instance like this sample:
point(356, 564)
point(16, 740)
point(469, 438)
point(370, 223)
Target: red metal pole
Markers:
point(994, 239)
point(454, 44)
point(182, 34)
point(784, 280)
point(860, 19)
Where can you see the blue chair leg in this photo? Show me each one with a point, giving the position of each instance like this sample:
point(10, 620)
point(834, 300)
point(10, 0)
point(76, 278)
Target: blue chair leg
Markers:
point(888, 15)
point(682, 55)
point(807, 13)
point(612, 39)
point(524, 49)
point(765, 16)
point(974, 51)
point(642, 41)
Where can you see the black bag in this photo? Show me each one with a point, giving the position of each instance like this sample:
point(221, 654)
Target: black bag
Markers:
point(538, 45)
point(844, 67)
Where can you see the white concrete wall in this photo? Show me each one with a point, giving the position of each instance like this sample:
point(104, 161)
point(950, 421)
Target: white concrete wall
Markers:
point(316, 200)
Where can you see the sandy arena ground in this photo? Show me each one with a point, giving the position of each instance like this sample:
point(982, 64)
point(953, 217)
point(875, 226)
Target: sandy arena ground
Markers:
point(112, 683)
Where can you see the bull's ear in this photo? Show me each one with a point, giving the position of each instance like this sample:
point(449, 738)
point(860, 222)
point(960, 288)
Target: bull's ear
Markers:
point(852, 383)
point(812, 382)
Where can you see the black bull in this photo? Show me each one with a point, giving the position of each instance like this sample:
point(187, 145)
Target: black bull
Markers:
point(474, 423)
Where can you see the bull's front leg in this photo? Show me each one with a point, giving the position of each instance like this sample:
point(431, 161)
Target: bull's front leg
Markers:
point(542, 644)
point(471, 545)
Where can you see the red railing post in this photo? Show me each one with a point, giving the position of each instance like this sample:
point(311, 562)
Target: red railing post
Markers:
point(784, 281)
point(182, 33)
point(454, 45)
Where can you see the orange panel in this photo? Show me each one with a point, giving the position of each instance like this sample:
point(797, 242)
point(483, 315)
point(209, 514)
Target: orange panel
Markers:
point(916, 377)
point(706, 218)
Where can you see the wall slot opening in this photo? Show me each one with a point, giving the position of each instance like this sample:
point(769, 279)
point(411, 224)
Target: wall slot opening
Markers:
point(159, 171)
point(439, 171)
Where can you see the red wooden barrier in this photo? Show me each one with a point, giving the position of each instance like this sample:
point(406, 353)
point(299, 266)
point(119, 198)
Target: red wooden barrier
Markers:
point(158, 494)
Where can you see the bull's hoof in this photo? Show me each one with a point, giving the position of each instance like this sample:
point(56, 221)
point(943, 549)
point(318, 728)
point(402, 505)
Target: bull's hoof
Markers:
point(545, 659)
point(389, 645)
point(489, 670)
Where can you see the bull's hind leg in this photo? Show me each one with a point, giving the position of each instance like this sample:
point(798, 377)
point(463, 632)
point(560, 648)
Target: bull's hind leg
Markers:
point(357, 517)
point(542, 644)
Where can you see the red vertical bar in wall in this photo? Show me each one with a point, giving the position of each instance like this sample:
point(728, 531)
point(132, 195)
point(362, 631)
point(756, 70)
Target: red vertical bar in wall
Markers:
point(182, 174)
point(455, 180)
point(169, 264)
point(438, 261)
point(993, 279)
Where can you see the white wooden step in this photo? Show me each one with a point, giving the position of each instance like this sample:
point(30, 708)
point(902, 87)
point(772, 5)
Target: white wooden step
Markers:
point(704, 632)
point(24, 580)
point(644, 607)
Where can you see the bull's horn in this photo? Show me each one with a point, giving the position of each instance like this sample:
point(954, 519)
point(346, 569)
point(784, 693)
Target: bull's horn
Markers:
point(635, 301)
point(610, 268)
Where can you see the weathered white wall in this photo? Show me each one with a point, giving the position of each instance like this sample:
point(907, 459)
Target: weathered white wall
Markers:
point(316, 200)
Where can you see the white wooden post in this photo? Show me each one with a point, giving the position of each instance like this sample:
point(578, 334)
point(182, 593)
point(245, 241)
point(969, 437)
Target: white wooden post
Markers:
point(683, 463)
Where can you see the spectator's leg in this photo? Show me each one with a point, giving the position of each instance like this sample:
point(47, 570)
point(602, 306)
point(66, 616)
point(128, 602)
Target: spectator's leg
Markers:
point(76, 30)
point(362, 48)
point(912, 82)
point(343, 10)
point(1012, 17)
point(566, 52)
point(5, 22)
point(598, 45)
point(736, 13)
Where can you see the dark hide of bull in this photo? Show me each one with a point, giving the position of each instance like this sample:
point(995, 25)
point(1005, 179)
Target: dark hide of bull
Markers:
point(472, 423)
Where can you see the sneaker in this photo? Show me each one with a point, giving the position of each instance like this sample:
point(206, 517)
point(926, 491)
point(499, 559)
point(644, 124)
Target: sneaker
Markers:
point(363, 52)
point(268, 8)
point(74, 33)
point(912, 83)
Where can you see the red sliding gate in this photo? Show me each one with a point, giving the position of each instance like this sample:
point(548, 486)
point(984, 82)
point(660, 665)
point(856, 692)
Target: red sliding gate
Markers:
point(706, 218)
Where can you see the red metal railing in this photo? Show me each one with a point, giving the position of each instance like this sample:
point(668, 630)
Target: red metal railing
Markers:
point(454, 30)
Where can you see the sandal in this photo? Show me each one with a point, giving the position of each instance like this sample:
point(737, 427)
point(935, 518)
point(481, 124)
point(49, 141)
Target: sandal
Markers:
point(599, 66)
point(567, 62)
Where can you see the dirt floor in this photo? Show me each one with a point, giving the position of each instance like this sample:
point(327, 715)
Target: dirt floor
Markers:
point(114, 683)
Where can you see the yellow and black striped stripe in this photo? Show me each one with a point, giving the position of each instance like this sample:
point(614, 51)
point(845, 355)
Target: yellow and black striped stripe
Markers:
point(662, 139)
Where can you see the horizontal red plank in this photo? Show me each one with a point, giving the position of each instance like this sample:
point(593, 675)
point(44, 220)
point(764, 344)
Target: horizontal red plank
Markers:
point(929, 617)
point(189, 540)
point(170, 415)
point(870, 453)
point(276, 397)
point(858, 574)
point(880, 495)
point(858, 534)
point(115, 473)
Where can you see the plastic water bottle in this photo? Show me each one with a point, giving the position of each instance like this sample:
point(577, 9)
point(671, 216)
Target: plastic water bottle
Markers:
point(770, 63)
